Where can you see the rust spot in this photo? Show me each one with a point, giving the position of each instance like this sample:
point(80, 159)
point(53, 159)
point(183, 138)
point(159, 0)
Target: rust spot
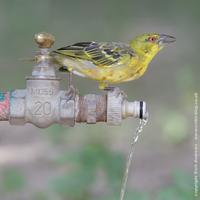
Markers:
point(4, 106)
point(101, 109)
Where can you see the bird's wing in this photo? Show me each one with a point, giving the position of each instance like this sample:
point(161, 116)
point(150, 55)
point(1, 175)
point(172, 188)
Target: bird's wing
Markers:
point(102, 54)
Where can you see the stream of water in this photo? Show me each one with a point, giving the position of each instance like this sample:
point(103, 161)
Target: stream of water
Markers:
point(137, 133)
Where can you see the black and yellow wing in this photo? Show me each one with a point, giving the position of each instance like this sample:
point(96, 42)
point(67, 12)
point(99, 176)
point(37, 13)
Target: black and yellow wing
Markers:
point(101, 54)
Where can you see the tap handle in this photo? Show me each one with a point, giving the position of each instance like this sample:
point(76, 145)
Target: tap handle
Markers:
point(44, 40)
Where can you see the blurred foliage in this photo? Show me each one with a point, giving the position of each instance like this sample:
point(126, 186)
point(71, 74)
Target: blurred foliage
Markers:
point(132, 195)
point(85, 164)
point(76, 183)
point(175, 127)
point(181, 188)
point(12, 180)
point(56, 133)
point(40, 196)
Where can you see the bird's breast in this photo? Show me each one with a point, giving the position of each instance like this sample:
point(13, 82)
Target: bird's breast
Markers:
point(116, 73)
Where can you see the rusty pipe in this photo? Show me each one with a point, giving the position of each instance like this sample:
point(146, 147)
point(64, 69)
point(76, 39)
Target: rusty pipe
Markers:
point(22, 106)
point(4, 106)
point(42, 103)
point(91, 108)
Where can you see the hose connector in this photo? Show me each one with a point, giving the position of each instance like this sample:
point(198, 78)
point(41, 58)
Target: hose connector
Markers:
point(118, 108)
point(135, 109)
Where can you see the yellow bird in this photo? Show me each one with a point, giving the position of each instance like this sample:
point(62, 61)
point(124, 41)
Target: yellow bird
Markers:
point(111, 62)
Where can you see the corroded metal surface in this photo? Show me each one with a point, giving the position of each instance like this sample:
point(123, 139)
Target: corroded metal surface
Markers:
point(4, 106)
point(91, 110)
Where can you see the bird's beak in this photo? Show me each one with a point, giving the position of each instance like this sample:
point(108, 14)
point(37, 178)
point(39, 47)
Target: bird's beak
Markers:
point(165, 39)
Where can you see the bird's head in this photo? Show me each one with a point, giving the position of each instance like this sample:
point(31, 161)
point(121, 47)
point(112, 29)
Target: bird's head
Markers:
point(151, 43)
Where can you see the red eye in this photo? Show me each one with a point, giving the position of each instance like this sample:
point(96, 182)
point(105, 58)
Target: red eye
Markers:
point(151, 39)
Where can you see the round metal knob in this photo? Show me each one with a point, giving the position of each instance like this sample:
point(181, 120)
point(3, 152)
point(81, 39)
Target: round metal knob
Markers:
point(44, 40)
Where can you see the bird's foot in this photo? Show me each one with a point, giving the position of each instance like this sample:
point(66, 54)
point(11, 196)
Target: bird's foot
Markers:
point(71, 92)
point(109, 88)
point(70, 79)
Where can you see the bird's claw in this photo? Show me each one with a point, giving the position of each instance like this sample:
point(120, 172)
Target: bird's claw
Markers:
point(71, 92)
point(109, 88)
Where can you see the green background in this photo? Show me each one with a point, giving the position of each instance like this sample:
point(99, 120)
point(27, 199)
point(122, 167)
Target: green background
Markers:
point(87, 161)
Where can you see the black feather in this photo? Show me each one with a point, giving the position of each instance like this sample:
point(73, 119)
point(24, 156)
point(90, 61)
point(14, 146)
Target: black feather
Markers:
point(63, 69)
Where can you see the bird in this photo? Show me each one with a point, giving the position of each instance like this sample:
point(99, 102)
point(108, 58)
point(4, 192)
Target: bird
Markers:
point(111, 62)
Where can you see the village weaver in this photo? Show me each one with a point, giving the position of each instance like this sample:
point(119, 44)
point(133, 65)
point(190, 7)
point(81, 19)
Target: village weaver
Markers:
point(111, 62)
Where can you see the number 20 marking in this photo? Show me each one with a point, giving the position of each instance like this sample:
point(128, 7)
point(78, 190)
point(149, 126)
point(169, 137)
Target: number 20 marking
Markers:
point(42, 108)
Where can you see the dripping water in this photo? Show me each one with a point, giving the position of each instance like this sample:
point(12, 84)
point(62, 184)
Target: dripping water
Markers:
point(137, 133)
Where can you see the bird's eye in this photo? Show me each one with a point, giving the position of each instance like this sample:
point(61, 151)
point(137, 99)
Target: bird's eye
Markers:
point(151, 39)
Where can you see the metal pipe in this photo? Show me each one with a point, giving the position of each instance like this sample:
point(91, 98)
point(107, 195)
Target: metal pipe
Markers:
point(45, 106)
point(4, 106)
point(91, 108)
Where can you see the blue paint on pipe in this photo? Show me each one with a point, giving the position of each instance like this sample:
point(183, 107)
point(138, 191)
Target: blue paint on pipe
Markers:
point(2, 96)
